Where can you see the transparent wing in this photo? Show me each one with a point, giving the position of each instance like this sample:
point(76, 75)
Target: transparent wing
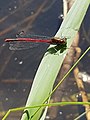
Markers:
point(18, 45)
point(37, 36)
point(22, 45)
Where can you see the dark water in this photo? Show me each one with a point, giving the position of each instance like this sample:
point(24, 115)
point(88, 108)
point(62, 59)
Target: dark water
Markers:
point(17, 68)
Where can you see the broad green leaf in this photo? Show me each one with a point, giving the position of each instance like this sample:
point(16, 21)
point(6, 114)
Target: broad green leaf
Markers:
point(52, 60)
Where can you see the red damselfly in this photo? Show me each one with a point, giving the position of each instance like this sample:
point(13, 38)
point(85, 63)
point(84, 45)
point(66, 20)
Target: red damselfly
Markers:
point(21, 43)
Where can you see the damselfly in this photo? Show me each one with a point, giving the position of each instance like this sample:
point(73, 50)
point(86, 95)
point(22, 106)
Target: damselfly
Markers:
point(27, 42)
